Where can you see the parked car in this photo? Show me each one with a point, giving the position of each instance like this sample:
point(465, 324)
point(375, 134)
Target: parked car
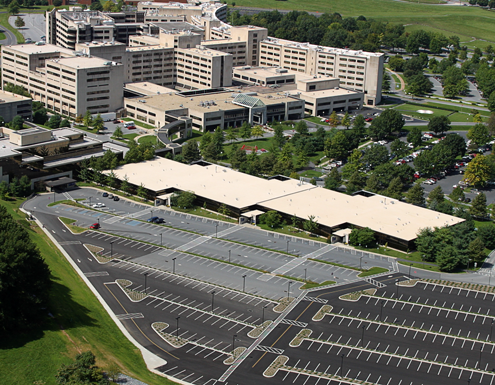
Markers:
point(95, 226)
point(110, 196)
point(159, 220)
point(105, 194)
point(368, 119)
point(116, 198)
point(152, 219)
point(98, 205)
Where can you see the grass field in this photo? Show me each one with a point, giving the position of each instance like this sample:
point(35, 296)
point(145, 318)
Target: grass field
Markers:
point(79, 323)
point(151, 139)
point(465, 22)
point(458, 117)
point(4, 21)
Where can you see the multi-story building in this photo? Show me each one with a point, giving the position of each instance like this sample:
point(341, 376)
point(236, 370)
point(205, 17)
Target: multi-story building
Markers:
point(357, 70)
point(12, 105)
point(63, 81)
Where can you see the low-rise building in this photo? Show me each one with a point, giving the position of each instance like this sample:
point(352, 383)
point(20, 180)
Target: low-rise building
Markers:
point(12, 105)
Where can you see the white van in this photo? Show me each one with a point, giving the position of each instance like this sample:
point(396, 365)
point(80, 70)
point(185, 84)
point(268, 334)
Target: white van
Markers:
point(129, 124)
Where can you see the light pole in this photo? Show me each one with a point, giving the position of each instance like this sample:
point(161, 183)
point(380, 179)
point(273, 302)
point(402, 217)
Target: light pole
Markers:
point(397, 288)
point(342, 365)
point(360, 263)
point(362, 337)
point(161, 239)
point(111, 249)
point(244, 283)
point(263, 318)
point(288, 247)
point(491, 329)
point(216, 230)
point(381, 309)
point(233, 342)
point(177, 330)
point(145, 283)
point(305, 275)
point(90, 201)
point(410, 265)
point(212, 299)
point(490, 277)
point(151, 214)
point(288, 289)
point(98, 220)
point(173, 269)
point(229, 255)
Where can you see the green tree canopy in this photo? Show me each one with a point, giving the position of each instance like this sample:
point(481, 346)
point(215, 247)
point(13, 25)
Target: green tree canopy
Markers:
point(364, 237)
point(479, 134)
point(81, 371)
point(478, 207)
point(24, 276)
point(479, 171)
point(272, 219)
point(415, 195)
point(439, 124)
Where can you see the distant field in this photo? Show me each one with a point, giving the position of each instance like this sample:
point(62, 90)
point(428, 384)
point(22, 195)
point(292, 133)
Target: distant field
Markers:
point(466, 22)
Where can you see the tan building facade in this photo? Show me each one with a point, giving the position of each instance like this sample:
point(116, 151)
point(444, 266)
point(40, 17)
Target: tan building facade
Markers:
point(63, 82)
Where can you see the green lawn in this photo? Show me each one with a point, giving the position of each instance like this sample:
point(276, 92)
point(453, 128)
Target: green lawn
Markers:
point(465, 22)
point(151, 139)
point(4, 21)
point(80, 323)
point(373, 271)
point(311, 174)
point(129, 136)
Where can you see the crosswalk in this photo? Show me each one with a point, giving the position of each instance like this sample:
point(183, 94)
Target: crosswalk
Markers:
point(269, 349)
point(314, 299)
point(294, 323)
point(96, 274)
point(129, 316)
point(228, 231)
point(64, 243)
point(196, 242)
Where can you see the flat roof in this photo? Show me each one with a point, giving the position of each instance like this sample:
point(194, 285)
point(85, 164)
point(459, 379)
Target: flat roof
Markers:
point(329, 92)
point(137, 48)
point(8, 97)
point(330, 208)
point(148, 88)
point(84, 62)
point(204, 52)
point(39, 49)
point(150, 40)
point(223, 101)
point(7, 149)
point(213, 182)
point(379, 213)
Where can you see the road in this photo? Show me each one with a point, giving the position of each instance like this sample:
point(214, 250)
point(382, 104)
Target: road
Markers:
point(425, 333)
point(35, 25)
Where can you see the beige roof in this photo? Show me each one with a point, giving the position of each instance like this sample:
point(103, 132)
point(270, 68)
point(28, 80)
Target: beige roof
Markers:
point(331, 208)
point(330, 92)
point(148, 88)
point(223, 101)
point(379, 213)
point(218, 183)
point(44, 48)
point(84, 62)
point(6, 97)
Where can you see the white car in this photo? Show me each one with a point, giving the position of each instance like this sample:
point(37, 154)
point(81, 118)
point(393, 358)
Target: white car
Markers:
point(98, 205)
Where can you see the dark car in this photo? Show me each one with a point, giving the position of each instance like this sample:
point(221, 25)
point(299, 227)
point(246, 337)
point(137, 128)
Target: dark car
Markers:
point(159, 220)
point(95, 226)
point(116, 198)
point(116, 121)
point(105, 194)
point(152, 219)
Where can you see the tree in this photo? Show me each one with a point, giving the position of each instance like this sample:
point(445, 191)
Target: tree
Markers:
point(17, 123)
point(124, 185)
point(310, 225)
point(24, 186)
point(479, 171)
point(4, 189)
point(457, 194)
point(396, 63)
point(427, 244)
point(107, 6)
point(425, 163)
point(64, 123)
point(141, 192)
point(375, 155)
point(334, 119)
point(355, 183)
point(478, 207)
point(333, 181)
point(82, 371)
point(439, 124)
point(436, 196)
point(245, 132)
point(57, 3)
point(454, 82)
point(19, 22)
point(418, 85)
point(487, 234)
point(40, 116)
point(359, 126)
point(54, 121)
point(190, 151)
point(117, 133)
point(14, 7)
point(231, 135)
point(183, 199)
point(272, 219)
point(24, 275)
point(399, 148)
point(447, 259)
point(394, 189)
point(96, 6)
point(301, 128)
point(98, 123)
point(364, 237)
point(257, 132)
point(337, 147)
point(491, 102)
point(415, 195)
point(278, 136)
point(346, 120)
point(80, 119)
point(415, 136)
point(88, 119)
point(476, 250)
point(479, 134)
